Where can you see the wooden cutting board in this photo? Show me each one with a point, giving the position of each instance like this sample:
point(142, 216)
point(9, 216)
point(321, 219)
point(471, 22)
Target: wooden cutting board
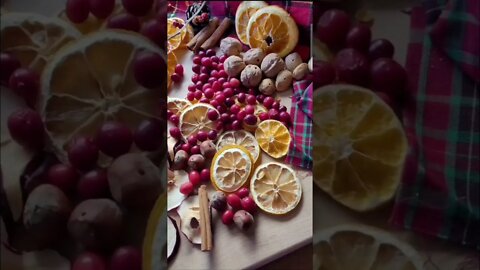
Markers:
point(271, 236)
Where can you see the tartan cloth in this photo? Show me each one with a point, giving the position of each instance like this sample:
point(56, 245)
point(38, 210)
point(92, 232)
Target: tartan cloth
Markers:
point(300, 150)
point(439, 193)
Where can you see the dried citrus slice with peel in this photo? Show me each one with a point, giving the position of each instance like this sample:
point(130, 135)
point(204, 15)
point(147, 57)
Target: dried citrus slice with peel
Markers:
point(273, 30)
point(362, 247)
point(177, 105)
point(359, 146)
point(91, 81)
point(171, 63)
point(245, 11)
point(242, 138)
point(176, 39)
point(194, 119)
point(273, 137)
point(231, 168)
point(275, 188)
point(34, 38)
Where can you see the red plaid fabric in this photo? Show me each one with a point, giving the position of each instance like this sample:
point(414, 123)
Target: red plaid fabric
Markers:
point(439, 195)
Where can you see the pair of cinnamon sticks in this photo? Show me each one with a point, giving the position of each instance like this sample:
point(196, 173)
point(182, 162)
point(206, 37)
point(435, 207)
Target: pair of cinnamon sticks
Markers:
point(205, 221)
point(210, 35)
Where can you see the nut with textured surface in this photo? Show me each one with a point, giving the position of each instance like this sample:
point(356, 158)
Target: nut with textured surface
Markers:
point(254, 56)
point(292, 61)
point(301, 71)
point(284, 80)
point(251, 76)
point(230, 46)
point(272, 64)
point(233, 65)
point(267, 87)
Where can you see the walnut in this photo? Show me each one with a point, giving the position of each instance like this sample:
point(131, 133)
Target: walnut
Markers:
point(300, 71)
point(230, 46)
point(292, 61)
point(254, 56)
point(233, 65)
point(272, 64)
point(251, 76)
point(267, 87)
point(284, 80)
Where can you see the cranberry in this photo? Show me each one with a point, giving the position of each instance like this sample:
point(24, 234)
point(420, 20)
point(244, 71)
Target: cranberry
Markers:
point(212, 115)
point(91, 261)
point(195, 150)
point(223, 58)
point(197, 60)
point(222, 80)
point(205, 70)
point(241, 114)
point(268, 102)
point(126, 258)
point(26, 128)
point(225, 117)
point(205, 86)
point(250, 119)
point(186, 147)
point(251, 100)
point(206, 61)
point(234, 82)
point(192, 140)
point(214, 103)
point(216, 86)
point(210, 52)
point(186, 188)
point(179, 69)
point(234, 201)
point(175, 119)
point(241, 97)
point(204, 100)
point(175, 132)
point(8, 64)
point(196, 68)
point(194, 178)
point(273, 114)
point(212, 135)
point(198, 94)
point(220, 98)
point(201, 53)
point(195, 79)
point(215, 59)
point(228, 92)
point(234, 109)
point(276, 105)
point(63, 176)
point(250, 109)
point(214, 74)
point(243, 192)
point(222, 73)
point(93, 184)
point(263, 116)
point(227, 217)
point(220, 67)
point(203, 78)
point(211, 80)
point(148, 135)
point(205, 175)
point(283, 108)
point(191, 88)
point(83, 153)
point(209, 93)
point(202, 135)
point(199, 85)
point(236, 125)
point(248, 204)
point(284, 117)
point(260, 98)
point(190, 97)
point(176, 77)
point(25, 83)
point(226, 85)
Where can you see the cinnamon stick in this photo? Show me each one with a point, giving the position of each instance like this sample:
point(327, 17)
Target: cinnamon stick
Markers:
point(205, 222)
point(205, 33)
point(217, 35)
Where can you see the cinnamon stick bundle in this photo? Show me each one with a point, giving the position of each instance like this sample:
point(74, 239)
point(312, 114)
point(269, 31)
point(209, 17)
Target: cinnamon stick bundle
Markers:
point(217, 35)
point(205, 222)
point(197, 41)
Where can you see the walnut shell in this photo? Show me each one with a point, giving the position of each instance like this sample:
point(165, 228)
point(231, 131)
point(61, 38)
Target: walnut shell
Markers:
point(251, 76)
point(284, 80)
point(230, 46)
point(233, 65)
point(267, 87)
point(292, 61)
point(272, 64)
point(301, 71)
point(254, 56)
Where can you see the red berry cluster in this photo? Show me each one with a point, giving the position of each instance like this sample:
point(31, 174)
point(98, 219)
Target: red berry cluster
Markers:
point(178, 75)
point(241, 200)
point(359, 60)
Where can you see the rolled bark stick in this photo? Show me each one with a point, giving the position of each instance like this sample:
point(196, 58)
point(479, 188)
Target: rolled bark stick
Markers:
point(203, 34)
point(217, 35)
point(209, 29)
point(205, 222)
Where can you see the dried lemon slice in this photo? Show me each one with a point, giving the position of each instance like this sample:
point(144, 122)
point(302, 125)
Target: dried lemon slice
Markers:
point(92, 81)
point(171, 63)
point(359, 146)
point(275, 188)
point(245, 11)
point(273, 30)
point(34, 38)
point(231, 168)
point(242, 138)
point(362, 247)
point(273, 137)
point(194, 119)
point(177, 105)
point(175, 41)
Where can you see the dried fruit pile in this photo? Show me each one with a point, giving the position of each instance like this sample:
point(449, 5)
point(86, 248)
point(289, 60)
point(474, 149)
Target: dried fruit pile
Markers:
point(87, 108)
point(231, 116)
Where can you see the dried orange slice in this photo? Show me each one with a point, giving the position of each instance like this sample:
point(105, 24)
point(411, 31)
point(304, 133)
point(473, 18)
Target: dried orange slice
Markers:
point(362, 247)
point(231, 168)
point(171, 63)
point(34, 38)
point(275, 188)
point(359, 146)
point(242, 138)
point(194, 119)
point(245, 11)
point(92, 81)
point(175, 40)
point(273, 30)
point(273, 137)
point(177, 105)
